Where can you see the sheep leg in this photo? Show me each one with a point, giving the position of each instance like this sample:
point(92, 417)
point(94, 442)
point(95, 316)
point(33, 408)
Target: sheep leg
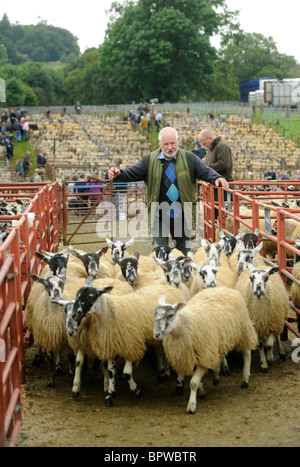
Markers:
point(216, 374)
point(281, 352)
point(58, 365)
point(225, 366)
point(270, 345)
point(50, 359)
point(195, 384)
point(109, 398)
point(71, 367)
point(162, 364)
point(127, 372)
point(246, 368)
point(263, 360)
point(39, 357)
point(77, 377)
point(105, 377)
point(179, 384)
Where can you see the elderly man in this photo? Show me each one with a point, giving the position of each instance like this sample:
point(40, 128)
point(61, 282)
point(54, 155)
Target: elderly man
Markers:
point(170, 175)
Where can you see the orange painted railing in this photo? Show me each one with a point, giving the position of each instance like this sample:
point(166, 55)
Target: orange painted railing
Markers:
point(17, 262)
point(220, 215)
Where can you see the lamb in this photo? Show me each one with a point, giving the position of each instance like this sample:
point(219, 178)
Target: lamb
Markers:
point(120, 326)
point(238, 261)
point(118, 249)
point(211, 275)
point(208, 252)
point(196, 336)
point(91, 267)
point(130, 272)
point(268, 306)
point(78, 332)
point(45, 320)
point(173, 273)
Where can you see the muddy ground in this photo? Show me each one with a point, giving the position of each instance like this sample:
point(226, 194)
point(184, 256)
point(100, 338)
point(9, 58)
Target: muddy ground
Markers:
point(264, 415)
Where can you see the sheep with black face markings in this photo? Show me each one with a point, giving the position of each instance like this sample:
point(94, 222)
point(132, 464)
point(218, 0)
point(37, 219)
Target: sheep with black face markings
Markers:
point(138, 277)
point(195, 336)
point(211, 275)
point(268, 306)
point(120, 326)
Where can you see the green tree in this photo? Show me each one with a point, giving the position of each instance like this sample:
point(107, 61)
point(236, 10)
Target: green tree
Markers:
point(15, 93)
point(254, 56)
point(159, 49)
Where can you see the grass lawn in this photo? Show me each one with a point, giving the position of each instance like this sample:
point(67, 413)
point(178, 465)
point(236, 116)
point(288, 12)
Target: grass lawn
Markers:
point(285, 123)
point(19, 153)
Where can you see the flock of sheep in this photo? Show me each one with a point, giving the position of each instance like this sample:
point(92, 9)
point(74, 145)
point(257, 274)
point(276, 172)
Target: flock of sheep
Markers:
point(192, 310)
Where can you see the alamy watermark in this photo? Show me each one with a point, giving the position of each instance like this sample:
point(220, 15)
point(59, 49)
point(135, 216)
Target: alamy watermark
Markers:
point(296, 353)
point(132, 220)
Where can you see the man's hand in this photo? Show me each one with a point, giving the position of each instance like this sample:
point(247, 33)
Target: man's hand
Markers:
point(113, 173)
point(222, 182)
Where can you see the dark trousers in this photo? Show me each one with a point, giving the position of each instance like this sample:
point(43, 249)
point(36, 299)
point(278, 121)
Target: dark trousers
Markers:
point(177, 228)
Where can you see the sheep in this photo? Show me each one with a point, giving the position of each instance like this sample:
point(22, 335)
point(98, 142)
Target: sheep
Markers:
point(173, 273)
point(238, 261)
point(268, 306)
point(196, 335)
point(208, 252)
point(78, 332)
point(211, 275)
point(45, 320)
point(120, 326)
point(163, 252)
point(118, 249)
point(91, 267)
point(130, 272)
point(57, 262)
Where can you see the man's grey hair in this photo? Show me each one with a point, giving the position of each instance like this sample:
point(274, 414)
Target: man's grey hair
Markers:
point(167, 128)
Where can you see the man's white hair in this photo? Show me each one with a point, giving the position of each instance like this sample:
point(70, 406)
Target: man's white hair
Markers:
point(164, 130)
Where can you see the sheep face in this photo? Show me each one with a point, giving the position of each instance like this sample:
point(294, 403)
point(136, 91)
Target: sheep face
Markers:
point(118, 249)
point(54, 285)
point(86, 301)
point(213, 250)
point(259, 280)
point(57, 262)
point(129, 267)
point(71, 325)
point(172, 270)
point(207, 275)
point(246, 256)
point(91, 261)
point(165, 318)
point(163, 252)
point(185, 267)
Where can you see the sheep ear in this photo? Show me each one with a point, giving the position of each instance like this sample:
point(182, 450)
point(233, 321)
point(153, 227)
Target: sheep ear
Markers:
point(154, 244)
point(76, 253)
point(108, 241)
point(178, 306)
point(251, 267)
point(204, 243)
point(130, 242)
point(41, 257)
point(190, 255)
point(221, 234)
point(240, 245)
point(258, 248)
point(60, 302)
point(103, 251)
point(137, 255)
point(162, 300)
point(157, 261)
point(297, 241)
point(274, 270)
point(195, 266)
point(173, 244)
point(37, 278)
point(105, 289)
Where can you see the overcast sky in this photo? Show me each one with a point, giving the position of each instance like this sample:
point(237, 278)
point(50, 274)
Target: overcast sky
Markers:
point(87, 20)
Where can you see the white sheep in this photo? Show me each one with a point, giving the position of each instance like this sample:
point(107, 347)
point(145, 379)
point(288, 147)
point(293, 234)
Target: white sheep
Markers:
point(211, 275)
point(130, 272)
point(173, 273)
point(46, 320)
point(92, 266)
point(268, 306)
point(239, 260)
point(120, 326)
point(118, 249)
point(196, 336)
point(208, 252)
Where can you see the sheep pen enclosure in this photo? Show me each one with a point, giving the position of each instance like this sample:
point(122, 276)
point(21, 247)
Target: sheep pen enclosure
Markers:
point(261, 415)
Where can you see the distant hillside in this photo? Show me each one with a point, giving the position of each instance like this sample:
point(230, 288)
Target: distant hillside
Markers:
point(39, 43)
